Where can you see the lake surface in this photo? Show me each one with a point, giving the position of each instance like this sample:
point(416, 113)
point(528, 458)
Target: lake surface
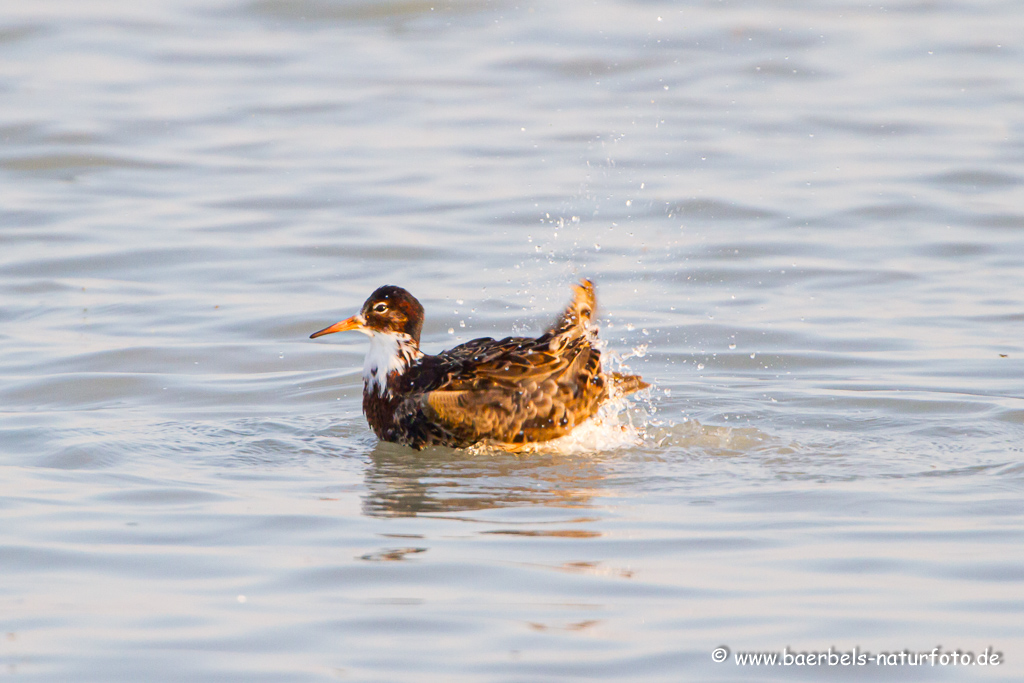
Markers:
point(806, 224)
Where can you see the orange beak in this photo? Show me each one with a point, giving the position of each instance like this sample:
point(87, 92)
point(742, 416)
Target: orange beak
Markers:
point(356, 322)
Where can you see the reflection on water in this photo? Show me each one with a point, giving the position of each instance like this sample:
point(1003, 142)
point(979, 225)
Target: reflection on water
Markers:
point(391, 554)
point(321, 11)
point(405, 483)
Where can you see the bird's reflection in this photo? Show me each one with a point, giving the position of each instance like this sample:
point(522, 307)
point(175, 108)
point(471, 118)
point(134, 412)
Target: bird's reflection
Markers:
point(405, 483)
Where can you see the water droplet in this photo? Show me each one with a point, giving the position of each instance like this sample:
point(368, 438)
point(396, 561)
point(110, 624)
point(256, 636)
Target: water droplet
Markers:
point(451, 330)
point(597, 247)
point(700, 366)
point(732, 347)
point(752, 355)
point(630, 327)
point(462, 323)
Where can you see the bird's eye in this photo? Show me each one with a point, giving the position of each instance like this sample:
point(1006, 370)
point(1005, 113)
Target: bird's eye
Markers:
point(381, 307)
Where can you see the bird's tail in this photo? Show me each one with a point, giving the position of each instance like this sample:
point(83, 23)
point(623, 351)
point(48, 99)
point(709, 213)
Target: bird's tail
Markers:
point(578, 316)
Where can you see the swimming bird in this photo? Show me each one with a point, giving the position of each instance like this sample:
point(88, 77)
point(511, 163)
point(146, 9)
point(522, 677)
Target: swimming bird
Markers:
point(507, 392)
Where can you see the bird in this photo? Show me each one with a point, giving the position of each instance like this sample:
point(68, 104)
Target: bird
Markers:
point(507, 393)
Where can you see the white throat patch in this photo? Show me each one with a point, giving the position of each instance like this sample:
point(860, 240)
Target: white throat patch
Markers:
point(388, 353)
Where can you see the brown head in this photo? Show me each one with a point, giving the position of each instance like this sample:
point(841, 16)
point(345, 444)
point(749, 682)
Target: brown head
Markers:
point(389, 310)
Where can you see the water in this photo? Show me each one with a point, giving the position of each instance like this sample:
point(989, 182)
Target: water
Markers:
point(805, 224)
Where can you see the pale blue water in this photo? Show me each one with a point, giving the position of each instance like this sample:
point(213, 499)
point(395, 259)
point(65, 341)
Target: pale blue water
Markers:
point(805, 221)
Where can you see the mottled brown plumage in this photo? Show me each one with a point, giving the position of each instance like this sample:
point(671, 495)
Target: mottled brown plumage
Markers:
point(508, 392)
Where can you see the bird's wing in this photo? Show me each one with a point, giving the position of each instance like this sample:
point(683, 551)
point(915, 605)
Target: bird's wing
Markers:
point(512, 391)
